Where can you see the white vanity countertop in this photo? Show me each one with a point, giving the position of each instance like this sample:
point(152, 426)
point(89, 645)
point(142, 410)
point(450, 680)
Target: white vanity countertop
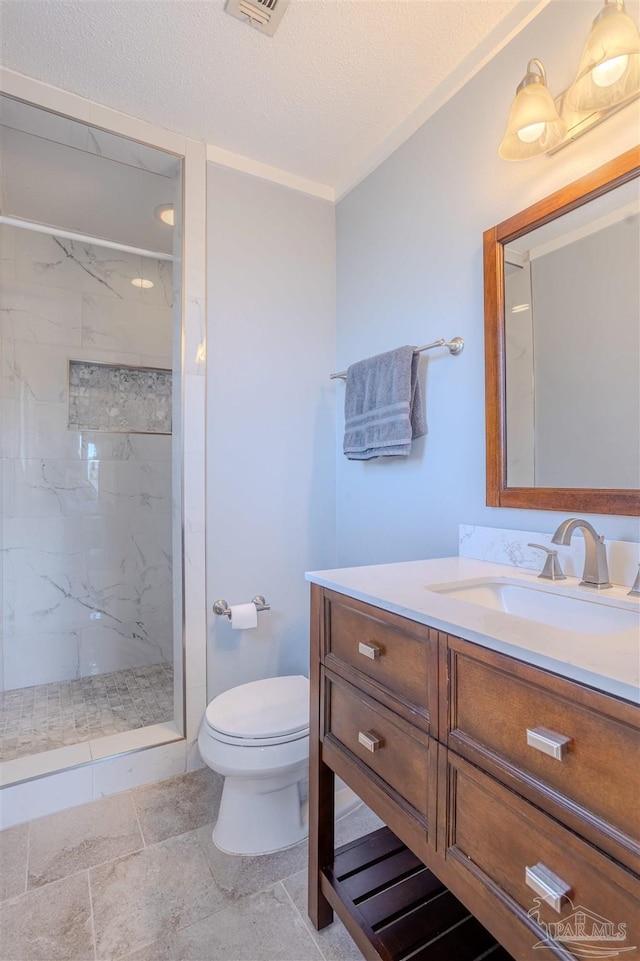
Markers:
point(607, 662)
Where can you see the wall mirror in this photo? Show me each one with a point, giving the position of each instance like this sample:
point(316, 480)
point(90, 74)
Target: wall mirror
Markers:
point(562, 348)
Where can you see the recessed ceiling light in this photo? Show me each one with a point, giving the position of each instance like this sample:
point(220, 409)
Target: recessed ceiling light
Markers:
point(165, 213)
point(142, 282)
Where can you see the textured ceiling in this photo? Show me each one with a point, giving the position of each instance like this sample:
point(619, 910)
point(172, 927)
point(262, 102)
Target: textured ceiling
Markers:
point(315, 100)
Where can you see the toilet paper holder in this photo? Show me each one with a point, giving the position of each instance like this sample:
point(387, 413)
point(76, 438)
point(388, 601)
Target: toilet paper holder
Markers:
point(221, 606)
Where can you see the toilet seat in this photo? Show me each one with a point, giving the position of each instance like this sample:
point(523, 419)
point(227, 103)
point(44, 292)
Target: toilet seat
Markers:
point(273, 710)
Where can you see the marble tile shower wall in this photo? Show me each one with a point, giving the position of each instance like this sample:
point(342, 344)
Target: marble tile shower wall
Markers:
point(87, 581)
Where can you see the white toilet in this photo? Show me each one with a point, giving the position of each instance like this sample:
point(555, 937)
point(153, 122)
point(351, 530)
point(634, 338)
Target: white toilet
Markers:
point(257, 736)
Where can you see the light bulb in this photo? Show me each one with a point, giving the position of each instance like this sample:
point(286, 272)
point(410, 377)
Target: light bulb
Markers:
point(532, 132)
point(165, 213)
point(610, 71)
point(534, 125)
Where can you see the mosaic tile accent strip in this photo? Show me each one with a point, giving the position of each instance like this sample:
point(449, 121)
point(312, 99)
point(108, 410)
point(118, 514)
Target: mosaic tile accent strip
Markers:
point(109, 397)
point(41, 718)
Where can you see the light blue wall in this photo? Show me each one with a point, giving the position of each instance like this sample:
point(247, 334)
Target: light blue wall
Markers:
point(281, 498)
point(270, 417)
point(409, 270)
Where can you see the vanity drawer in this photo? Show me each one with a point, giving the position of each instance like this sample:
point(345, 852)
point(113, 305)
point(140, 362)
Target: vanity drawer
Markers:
point(505, 716)
point(378, 741)
point(392, 658)
point(509, 846)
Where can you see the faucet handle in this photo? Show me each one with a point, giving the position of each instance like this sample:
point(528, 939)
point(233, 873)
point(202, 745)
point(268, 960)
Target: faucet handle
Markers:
point(635, 590)
point(552, 570)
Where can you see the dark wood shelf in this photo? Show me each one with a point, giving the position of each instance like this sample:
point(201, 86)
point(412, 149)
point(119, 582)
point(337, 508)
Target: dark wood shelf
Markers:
point(394, 907)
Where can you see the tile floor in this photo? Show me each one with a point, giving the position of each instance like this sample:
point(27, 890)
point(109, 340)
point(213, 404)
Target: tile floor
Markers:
point(35, 719)
point(136, 876)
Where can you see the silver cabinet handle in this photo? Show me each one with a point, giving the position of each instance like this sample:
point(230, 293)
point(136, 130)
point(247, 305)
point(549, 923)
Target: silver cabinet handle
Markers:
point(547, 884)
point(370, 741)
point(369, 650)
point(549, 742)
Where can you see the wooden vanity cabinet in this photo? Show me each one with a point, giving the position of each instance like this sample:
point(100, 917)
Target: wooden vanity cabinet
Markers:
point(377, 731)
point(493, 837)
point(495, 707)
point(451, 745)
point(389, 657)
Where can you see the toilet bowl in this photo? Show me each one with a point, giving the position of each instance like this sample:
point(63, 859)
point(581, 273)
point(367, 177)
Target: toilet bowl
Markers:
point(257, 736)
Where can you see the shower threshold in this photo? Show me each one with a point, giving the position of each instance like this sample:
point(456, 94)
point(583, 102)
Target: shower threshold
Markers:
point(49, 716)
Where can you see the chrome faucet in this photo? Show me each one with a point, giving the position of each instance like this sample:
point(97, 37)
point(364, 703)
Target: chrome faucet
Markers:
point(596, 571)
point(552, 571)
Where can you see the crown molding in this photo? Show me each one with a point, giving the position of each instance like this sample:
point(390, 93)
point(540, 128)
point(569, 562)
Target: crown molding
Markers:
point(61, 101)
point(255, 168)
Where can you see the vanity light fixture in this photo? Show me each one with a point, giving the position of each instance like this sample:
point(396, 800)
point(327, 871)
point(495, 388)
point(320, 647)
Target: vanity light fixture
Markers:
point(534, 123)
point(142, 282)
point(165, 213)
point(608, 79)
point(609, 70)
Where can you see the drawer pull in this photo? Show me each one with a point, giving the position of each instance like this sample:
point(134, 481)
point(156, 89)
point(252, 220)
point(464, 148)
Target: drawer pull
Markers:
point(370, 741)
point(369, 650)
point(542, 739)
point(547, 884)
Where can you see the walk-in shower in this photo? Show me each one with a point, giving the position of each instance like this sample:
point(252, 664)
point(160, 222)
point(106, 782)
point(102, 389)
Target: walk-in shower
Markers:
point(91, 386)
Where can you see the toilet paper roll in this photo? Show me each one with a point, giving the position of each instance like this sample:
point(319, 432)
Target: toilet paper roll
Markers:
point(243, 616)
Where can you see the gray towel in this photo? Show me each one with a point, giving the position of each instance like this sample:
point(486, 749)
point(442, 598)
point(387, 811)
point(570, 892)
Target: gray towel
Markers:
point(383, 406)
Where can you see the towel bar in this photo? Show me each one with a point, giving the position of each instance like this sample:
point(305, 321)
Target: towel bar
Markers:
point(455, 346)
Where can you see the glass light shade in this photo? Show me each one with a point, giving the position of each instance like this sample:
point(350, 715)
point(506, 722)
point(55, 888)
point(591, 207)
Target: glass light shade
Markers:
point(534, 124)
point(609, 70)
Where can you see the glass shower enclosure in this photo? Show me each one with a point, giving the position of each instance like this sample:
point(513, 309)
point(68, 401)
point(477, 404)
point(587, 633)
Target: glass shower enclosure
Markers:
point(90, 383)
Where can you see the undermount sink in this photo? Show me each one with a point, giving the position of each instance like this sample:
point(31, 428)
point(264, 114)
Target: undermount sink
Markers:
point(591, 614)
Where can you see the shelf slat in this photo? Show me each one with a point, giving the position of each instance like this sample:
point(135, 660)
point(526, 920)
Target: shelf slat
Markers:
point(392, 904)
point(401, 898)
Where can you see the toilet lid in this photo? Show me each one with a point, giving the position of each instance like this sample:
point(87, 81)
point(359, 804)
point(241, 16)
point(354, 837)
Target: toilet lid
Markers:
point(260, 709)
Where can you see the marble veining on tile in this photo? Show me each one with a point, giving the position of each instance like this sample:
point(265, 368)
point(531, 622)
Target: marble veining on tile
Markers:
point(144, 896)
point(250, 929)
point(177, 805)
point(512, 547)
point(60, 913)
point(76, 839)
point(87, 514)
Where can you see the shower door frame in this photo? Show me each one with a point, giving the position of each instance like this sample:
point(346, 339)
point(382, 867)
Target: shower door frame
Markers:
point(48, 782)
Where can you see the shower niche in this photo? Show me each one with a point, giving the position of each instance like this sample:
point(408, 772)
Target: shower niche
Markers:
point(90, 382)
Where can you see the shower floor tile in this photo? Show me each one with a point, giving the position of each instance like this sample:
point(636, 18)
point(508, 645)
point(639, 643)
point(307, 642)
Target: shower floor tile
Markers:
point(35, 719)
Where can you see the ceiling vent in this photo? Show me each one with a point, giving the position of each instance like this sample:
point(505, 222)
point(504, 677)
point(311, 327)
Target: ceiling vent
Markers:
point(264, 15)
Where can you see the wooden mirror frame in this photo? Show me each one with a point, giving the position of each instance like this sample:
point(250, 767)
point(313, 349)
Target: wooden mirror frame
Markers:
point(574, 499)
